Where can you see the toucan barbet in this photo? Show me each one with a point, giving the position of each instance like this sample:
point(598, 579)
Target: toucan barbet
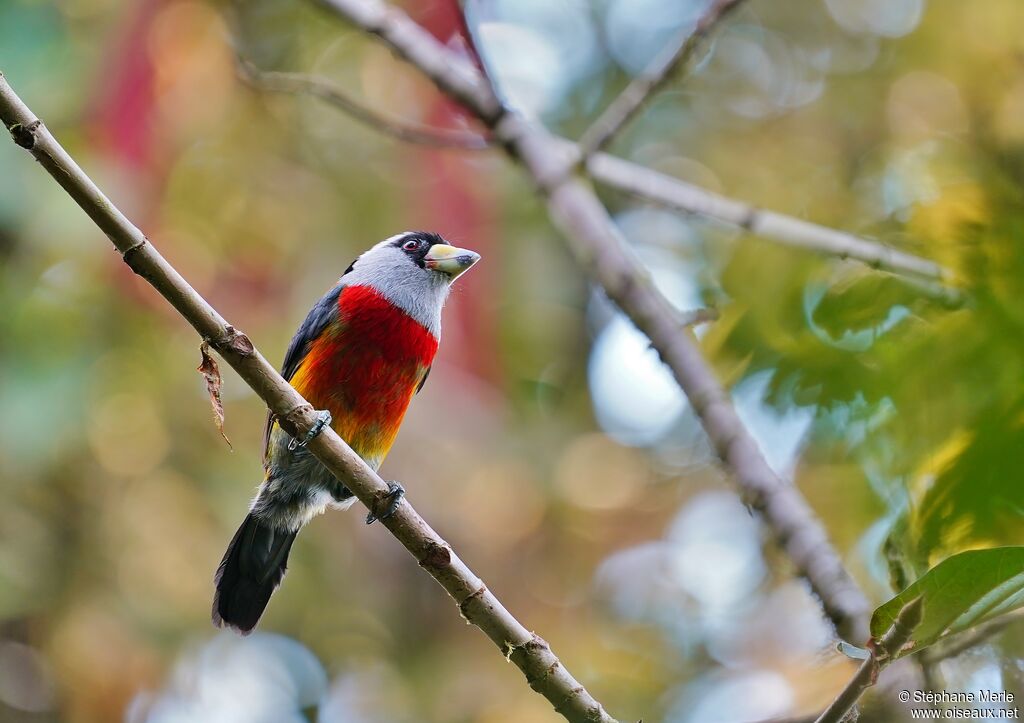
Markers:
point(361, 355)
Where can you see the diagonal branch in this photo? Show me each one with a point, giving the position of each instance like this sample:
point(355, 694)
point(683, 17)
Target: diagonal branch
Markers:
point(296, 83)
point(880, 655)
point(629, 102)
point(882, 652)
point(530, 653)
point(605, 256)
point(461, 80)
point(632, 178)
point(674, 193)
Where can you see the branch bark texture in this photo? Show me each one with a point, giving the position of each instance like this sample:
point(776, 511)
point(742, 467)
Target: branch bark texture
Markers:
point(606, 257)
point(529, 652)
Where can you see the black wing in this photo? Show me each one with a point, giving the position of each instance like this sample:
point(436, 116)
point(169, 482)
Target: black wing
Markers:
point(323, 313)
point(424, 379)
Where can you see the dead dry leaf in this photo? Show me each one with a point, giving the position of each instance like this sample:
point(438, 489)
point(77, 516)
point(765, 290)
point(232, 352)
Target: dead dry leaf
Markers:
point(211, 373)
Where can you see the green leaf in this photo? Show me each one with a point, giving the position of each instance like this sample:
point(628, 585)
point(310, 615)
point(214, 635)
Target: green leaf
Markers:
point(958, 593)
point(855, 307)
point(976, 499)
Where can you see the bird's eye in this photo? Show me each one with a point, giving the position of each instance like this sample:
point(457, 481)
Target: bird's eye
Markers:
point(411, 245)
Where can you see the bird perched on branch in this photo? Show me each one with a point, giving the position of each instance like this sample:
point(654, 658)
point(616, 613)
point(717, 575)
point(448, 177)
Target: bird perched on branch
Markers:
point(361, 354)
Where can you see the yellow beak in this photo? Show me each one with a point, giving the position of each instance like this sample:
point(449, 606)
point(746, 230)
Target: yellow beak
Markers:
point(450, 260)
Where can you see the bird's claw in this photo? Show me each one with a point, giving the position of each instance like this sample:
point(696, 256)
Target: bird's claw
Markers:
point(323, 418)
point(393, 498)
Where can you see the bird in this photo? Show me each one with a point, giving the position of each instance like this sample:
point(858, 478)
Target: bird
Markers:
point(362, 353)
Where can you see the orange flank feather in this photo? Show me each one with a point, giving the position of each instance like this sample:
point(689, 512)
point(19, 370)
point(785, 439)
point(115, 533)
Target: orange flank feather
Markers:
point(365, 368)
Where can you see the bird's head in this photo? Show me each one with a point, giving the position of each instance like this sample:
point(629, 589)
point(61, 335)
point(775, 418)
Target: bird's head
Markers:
point(414, 270)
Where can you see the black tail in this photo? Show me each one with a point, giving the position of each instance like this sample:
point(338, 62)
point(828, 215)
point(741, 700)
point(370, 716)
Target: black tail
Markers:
point(251, 570)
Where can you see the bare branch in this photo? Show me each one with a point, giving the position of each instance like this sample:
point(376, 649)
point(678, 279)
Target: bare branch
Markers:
point(531, 654)
point(959, 644)
point(695, 317)
point(604, 255)
point(677, 194)
point(882, 653)
point(635, 179)
point(863, 679)
point(462, 81)
point(296, 83)
point(676, 55)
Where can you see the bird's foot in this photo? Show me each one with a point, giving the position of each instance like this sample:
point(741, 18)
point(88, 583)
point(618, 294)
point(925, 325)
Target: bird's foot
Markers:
point(323, 418)
point(392, 499)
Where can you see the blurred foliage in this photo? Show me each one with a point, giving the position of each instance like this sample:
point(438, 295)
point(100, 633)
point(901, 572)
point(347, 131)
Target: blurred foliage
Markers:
point(572, 475)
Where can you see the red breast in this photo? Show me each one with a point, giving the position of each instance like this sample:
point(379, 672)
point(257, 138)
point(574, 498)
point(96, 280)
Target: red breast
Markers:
point(365, 369)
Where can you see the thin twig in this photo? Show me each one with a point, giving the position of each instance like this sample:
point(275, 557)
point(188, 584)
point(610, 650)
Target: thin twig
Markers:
point(531, 654)
point(478, 59)
point(629, 102)
point(462, 81)
point(688, 198)
point(277, 82)
point(604, 255)
point(882, 653)
point(645, 183)
point(961, 643)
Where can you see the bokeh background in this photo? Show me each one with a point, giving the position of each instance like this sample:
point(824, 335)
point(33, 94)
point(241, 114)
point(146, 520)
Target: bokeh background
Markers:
point(571, 473)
